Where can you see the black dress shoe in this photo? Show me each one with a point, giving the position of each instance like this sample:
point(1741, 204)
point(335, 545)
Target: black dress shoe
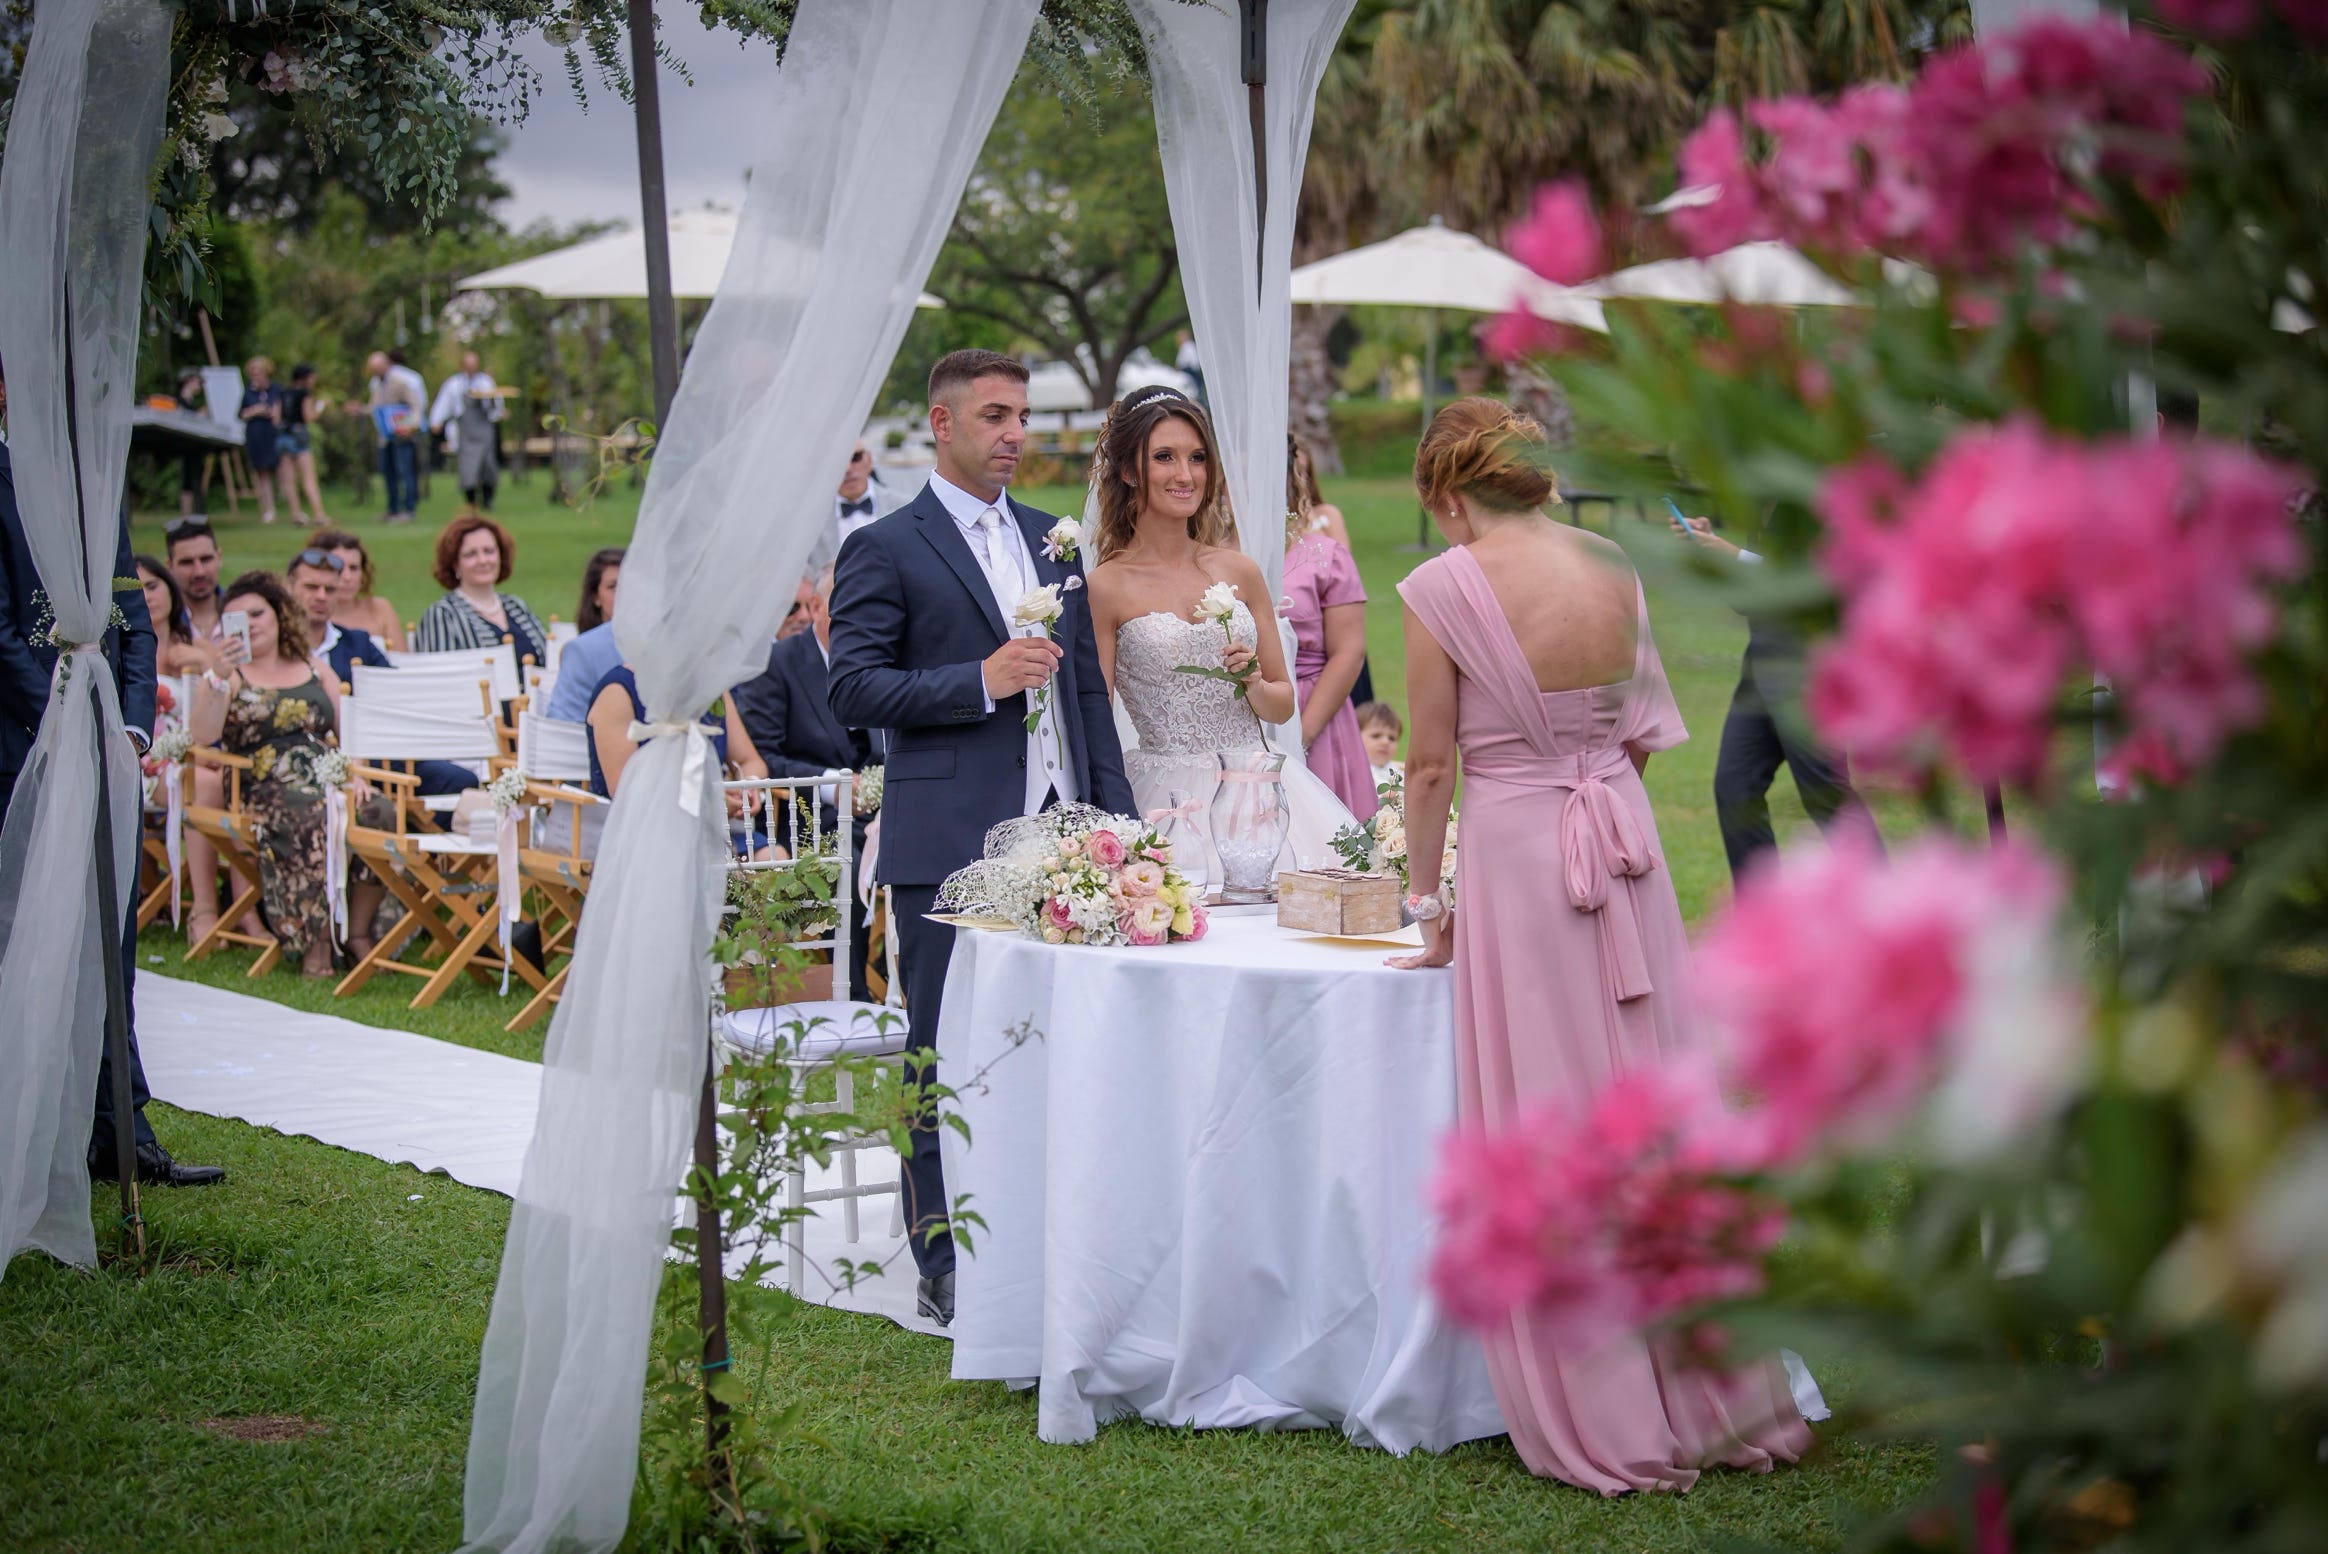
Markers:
point(934, 1299)
point(154, 1165)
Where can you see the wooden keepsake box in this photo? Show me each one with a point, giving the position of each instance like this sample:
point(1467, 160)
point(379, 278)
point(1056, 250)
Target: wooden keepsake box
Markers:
point(1338, 901)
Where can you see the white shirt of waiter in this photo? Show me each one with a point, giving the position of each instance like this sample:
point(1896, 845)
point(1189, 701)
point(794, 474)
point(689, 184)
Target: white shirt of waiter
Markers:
point(1010, 571)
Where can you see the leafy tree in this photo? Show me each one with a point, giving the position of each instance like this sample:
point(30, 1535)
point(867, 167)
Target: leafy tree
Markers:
point(1063, 237)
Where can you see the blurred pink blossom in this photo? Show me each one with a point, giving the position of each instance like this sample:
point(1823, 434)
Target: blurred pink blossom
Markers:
point(1198, 923)
point(2221, 19)
point(1961, 168)
point(1595, 1222)
point(1970, 597)
point(1560, 239)
point(2308, 18)
point(1516, 334)
point(1847, 985)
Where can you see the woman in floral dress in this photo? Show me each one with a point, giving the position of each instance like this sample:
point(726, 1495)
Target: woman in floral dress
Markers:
point(280, 714)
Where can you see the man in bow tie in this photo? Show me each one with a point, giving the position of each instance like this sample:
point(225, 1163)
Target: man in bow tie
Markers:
point(861, 498)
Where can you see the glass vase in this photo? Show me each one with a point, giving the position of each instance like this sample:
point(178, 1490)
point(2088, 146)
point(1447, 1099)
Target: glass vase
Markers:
point(1184, 824)
point(1249, 821)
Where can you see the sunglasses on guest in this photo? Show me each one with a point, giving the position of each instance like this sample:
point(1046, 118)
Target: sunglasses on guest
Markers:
point(319, 558)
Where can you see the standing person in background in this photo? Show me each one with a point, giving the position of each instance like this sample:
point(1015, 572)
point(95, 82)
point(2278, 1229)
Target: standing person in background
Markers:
point(302, 406)
point(262, 419)
point(1765, 729)
point(466, 402)
point(861, 498)
point(358, 606)
point(1325, 603)
point(473, 557)
point(592, 655)
point(192, 550)
point(26, 669)
point(397, 401)
point(1307, 509)
point(189, 397)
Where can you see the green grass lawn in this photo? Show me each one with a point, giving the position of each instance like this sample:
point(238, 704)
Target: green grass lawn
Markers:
point(344, 1299)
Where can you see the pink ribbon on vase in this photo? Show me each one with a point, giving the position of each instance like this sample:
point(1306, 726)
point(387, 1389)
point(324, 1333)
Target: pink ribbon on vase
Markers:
point(335, 859)
point(1187, 811)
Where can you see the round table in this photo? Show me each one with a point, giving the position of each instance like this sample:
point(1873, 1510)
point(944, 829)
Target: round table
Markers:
point(1201, 1170)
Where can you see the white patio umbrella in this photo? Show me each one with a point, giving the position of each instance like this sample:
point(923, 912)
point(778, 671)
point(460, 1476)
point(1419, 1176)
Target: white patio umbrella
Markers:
point(1769, 274)
point(614, 264)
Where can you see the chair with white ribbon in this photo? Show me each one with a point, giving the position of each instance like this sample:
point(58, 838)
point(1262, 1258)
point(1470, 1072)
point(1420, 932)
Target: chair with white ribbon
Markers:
point(800, 1014)
point(564, 819)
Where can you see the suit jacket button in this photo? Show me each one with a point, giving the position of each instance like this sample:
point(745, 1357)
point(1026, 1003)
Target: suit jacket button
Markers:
point(1022, 760)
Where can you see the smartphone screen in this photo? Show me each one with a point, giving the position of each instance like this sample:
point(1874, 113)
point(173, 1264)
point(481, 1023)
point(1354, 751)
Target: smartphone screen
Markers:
point(237, 625)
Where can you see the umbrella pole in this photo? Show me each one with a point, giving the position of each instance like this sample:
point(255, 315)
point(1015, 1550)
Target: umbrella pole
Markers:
point(1430, 377)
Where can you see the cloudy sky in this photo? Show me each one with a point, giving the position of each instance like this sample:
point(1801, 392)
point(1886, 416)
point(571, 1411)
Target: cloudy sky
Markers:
point(566, 165)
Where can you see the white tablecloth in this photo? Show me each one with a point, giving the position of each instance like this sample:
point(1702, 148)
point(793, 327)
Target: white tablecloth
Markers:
point(1203, 1185)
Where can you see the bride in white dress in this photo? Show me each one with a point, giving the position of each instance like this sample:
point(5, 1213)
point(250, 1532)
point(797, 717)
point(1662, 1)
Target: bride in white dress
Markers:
point(1161, 538)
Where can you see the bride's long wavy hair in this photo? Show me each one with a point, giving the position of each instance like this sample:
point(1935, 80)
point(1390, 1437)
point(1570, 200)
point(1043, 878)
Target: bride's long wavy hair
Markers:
point(1123, 449)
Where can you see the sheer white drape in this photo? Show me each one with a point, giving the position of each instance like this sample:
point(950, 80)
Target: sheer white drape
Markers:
point(1243, 321)
point(87, 120)
point(872, 124)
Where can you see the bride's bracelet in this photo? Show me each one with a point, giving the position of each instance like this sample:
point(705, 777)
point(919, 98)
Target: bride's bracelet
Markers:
point(1424, 909)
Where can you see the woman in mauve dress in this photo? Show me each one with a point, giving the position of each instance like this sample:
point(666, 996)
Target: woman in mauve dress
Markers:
point(1325, 604)
point(1528, 651)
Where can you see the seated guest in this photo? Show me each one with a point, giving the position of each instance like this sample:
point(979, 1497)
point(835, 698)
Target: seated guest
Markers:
point(862, 497)
point(177, 652)
point(586, 660)
point(473, 558)
point(618, 705)
point(280, 713)
point(790, 720)
point(314, 579)
point(1379, 728)
point(191, 548)
point(358, 606)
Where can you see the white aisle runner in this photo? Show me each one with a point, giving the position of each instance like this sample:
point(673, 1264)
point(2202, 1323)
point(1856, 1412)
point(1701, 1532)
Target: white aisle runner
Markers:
point(413, 1100)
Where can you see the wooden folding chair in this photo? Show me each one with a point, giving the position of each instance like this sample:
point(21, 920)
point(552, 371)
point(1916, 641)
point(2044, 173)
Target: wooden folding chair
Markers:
point(554, 861)
point(443, 881)
point(230, 831)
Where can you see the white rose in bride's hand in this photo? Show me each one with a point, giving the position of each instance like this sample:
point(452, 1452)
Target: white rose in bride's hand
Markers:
point(1218, 604)
point(1038, 607)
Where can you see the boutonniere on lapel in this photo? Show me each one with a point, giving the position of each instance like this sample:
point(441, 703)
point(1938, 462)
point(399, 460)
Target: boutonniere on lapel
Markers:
point(1040, 608)
point(1062, 543)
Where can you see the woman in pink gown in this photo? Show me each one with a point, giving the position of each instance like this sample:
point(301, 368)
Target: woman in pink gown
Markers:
point(1325, 604)
point(1571, 963)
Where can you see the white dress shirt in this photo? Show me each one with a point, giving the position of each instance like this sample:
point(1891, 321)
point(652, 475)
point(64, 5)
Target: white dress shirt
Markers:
point(847, 524)
point(1010, 572)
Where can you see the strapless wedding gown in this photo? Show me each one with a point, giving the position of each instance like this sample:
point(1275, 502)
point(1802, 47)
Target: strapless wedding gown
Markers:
point(1180, 722)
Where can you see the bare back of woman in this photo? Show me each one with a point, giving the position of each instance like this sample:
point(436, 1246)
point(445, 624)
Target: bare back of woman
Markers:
point(1569, 596)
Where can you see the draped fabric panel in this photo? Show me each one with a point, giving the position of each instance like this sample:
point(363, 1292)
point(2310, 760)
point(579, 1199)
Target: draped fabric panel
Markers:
point(1243, 319)
point(81, 142)
point(871, 125)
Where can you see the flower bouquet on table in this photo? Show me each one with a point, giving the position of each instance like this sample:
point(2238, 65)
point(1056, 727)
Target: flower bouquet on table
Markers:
point(1078, 875)
point(1380, 843)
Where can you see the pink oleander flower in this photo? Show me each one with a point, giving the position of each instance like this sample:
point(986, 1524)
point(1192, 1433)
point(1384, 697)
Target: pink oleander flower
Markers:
point(1714, 156)
point(2308, 19)
point(2219, 19)
point(1104, 848)
point(1516, 334)
point(1971, 596)
point(1560, 239)
point(1141, 877)
point(1853, 992)
point(1612, 1218)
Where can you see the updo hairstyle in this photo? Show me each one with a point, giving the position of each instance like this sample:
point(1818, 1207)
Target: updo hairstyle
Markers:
point(1485, 450)
point(1123, 446)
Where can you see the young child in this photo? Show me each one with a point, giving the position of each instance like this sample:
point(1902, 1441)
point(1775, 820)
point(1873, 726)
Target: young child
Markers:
point(1380, 728)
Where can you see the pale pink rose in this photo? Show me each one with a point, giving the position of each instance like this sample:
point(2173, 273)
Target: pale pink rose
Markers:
point(1104, 848)
point(1057, 915)
point(1142, 877)
point(1560, 239)
point(1197, 923)
point(1070, 847)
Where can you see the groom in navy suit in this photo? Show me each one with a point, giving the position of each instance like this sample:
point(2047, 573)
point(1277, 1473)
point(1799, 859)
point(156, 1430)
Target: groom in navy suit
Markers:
point(923, 646)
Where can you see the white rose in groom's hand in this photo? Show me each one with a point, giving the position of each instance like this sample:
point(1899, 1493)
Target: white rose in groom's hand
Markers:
point(1039, 606)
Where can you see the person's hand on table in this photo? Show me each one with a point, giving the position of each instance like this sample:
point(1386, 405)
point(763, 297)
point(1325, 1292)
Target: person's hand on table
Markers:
point(1438, 939)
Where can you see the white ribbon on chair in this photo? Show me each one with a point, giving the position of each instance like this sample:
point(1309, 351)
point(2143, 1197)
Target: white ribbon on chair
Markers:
point(174, 829)
point(508, 889)
point(691, 775)
point(335, 859)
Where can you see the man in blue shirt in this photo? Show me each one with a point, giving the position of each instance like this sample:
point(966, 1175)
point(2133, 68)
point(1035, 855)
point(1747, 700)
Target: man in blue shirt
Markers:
point(582, 663)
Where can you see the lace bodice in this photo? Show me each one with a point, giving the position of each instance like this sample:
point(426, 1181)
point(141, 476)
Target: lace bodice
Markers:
point(1182, 714)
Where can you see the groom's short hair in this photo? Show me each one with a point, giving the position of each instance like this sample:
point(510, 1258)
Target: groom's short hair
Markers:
point(960, 369)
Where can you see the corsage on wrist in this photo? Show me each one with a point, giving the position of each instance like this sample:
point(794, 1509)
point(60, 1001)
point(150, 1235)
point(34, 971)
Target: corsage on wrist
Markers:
point(1424, 909)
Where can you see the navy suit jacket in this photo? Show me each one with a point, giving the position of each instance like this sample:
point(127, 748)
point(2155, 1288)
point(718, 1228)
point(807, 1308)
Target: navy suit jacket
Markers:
point(913, 623)
point(351, 648)
point(788, 712)
point(25, 669)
